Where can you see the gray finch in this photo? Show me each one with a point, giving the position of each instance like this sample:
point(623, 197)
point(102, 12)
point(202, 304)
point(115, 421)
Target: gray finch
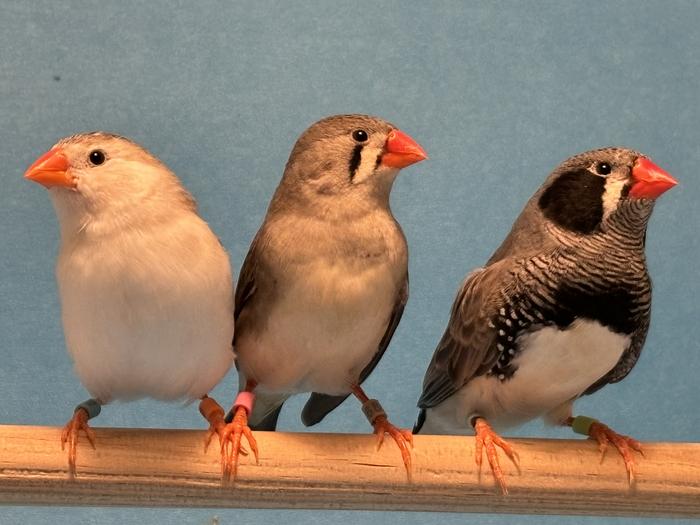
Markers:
point(560, 310)
point(325, 281)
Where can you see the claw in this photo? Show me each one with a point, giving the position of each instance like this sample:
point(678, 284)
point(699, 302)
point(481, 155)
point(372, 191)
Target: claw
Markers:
point(231, 446)
point(229, 436)
point(214, 414)
point(402, 437)
point(70, 435)
point(604, 435)
point(487, 438)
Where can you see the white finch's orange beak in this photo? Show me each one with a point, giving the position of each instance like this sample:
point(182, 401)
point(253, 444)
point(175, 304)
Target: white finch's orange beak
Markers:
point(51, 169)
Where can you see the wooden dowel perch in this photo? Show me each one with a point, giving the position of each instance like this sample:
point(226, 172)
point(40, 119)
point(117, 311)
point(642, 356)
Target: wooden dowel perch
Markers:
point(341, 471)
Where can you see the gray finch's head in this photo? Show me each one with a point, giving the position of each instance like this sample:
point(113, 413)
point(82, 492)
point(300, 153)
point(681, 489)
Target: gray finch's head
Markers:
point(590, 190)
point(605, 190)
point(346, 160)
point(101, 178)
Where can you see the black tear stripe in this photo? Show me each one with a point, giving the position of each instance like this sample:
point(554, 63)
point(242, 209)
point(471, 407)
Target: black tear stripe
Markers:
point(575, 201)
point(355, 160)
point(378, 161)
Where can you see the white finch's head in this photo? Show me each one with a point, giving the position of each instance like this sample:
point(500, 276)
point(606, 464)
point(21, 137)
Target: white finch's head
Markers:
point(101, 181)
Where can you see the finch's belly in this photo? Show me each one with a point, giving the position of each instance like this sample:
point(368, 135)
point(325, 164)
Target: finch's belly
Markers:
point(148, 348)
point(321, 333)
point(554, 366)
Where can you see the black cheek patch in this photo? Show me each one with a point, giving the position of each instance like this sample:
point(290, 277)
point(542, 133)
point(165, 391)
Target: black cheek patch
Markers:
point(574, 201)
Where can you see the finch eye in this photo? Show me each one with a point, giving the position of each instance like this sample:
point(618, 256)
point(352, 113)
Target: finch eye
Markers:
point(96, 157)
point(360, 135)
point(603, 168)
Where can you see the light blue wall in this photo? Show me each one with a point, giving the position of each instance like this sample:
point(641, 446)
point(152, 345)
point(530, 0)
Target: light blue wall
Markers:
point(498, 93)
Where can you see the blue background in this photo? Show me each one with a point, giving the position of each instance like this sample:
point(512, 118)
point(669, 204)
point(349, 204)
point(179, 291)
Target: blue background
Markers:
point(498, 93)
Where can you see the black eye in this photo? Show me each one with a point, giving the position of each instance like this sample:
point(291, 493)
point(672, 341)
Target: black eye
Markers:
point(603, 168)
point(360, 135)
point(96, 157)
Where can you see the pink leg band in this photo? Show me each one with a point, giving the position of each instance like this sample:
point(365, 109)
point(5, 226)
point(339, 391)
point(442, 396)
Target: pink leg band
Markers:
point(245, 400)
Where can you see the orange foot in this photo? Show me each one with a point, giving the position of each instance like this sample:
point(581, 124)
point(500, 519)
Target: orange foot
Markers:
point(487, 437)
point(214, 414)
point(401, 436)
point(229, 436)
point(231, 441)
point(70, 434)
point(603, 434)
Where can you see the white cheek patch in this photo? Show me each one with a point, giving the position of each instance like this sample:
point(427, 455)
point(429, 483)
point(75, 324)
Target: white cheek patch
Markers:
point(368, 164)
point(611, 195)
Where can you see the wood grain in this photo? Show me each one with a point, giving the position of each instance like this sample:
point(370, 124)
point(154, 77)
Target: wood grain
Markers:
point(169, 468)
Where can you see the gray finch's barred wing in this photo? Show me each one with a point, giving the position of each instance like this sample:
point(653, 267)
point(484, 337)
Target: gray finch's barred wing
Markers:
point(245, 288)
point(468, 346)
point(320, 405)
point(247, 300)
point(256, 288)
point(394, 320)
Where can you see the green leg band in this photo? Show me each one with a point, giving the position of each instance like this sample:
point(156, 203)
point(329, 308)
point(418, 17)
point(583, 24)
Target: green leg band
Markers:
point(582, 424)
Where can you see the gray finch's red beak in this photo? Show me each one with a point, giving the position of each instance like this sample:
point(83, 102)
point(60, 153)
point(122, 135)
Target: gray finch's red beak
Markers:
point(649, 181)
point(401, 150)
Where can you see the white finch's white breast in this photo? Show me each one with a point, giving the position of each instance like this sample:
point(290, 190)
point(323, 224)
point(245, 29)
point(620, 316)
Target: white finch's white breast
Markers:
point(148, 312)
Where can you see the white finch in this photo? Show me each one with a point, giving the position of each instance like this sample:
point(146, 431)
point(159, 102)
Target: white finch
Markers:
point(145, 286)
point(325, 281)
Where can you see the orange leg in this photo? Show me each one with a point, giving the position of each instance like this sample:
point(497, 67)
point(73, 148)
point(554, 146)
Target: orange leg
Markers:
point(71, 432)
point(214, 414)
point(382, 426)
point(230, 435)
point(604, 435)
point(487, 438)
